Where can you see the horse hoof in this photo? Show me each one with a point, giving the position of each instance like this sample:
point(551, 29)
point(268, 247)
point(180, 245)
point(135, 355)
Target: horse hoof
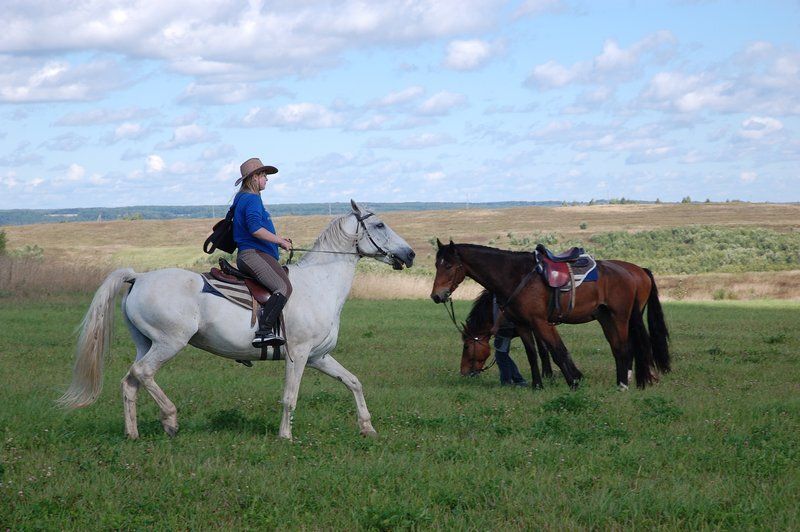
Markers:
point(538, 386)
point(369, 433)
point(171, 431)
point(622, 387)
point(132, 435)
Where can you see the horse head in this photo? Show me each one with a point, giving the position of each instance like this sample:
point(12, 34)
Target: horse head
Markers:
point(475, 353)
point(377, 240)
point(449, 272)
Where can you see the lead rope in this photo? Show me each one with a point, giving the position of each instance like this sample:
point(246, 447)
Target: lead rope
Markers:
point(452, 314)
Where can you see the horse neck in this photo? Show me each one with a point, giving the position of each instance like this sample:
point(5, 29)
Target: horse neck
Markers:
point(331, 273)
point(496, 270)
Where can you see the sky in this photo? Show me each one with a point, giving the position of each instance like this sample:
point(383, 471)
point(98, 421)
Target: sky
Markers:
point(145, 102)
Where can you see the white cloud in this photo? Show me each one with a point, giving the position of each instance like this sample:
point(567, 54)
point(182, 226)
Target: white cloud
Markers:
point(538, 7)
point(413, 142)
point(188, 135)
point(748, 177)
point(228, 93)
point(292, 116)
point(31, 79)
point(399, 97)
point(613, 63)
point(104, 116)
point(154, 164)
point(66, 142)
point(467, 55)
point(758, 127)
point(75, 172)
point(226, 40)
point(442, 103)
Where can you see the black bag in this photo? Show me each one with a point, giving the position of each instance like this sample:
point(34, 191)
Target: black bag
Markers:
point(222, 235)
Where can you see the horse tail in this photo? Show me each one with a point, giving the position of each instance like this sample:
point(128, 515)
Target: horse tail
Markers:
point(94, 342)
point(639, 342)
point(659, 335)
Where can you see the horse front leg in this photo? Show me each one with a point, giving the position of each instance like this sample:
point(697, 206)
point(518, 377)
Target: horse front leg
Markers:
point(544, 356)
point(530, 351)
point(330, 366)
point(556, 347)
point(296, 359)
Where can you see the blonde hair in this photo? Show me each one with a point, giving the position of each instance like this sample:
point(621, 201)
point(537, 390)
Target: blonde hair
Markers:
point(250, 185)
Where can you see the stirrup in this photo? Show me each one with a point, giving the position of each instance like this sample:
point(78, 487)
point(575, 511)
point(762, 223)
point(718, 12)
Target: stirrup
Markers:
point(268, 338)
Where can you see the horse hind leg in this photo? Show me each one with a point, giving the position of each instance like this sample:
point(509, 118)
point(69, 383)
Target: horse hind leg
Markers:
point(143, 371)
point(130, 384)
point(330, 366)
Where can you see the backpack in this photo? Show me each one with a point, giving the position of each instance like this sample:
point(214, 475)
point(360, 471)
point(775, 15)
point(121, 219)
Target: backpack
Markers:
point(222, 234)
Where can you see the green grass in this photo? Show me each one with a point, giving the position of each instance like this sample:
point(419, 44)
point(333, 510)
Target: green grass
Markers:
point(713, 445)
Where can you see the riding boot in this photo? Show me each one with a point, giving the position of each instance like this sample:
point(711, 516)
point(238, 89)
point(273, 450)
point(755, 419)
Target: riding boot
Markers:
point(267, 319)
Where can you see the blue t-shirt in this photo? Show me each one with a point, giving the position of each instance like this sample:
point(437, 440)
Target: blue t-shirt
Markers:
point(248, 217)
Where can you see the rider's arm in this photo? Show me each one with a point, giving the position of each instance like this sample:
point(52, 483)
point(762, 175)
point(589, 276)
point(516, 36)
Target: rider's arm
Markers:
point(264, 234)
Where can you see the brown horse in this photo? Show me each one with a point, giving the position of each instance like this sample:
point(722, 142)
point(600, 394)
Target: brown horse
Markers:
point(617, 300)
point(476, 335)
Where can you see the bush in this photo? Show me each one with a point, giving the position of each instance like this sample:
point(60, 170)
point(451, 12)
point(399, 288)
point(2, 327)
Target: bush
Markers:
point(2, 242)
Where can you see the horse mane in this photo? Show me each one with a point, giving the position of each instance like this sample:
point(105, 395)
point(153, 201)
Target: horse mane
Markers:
point(479, 247)
point(332, 238)
point(482, 312)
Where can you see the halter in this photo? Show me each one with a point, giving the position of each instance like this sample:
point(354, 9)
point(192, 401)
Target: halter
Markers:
point(470, 338)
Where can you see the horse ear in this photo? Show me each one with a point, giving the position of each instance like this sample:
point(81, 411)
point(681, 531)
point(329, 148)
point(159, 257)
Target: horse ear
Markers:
point(452, 245)
point(355, 207)
point(439, 244)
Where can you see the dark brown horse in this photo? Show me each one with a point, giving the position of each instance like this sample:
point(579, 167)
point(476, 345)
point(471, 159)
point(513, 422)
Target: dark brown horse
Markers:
point(617, 300)
point(477, 334)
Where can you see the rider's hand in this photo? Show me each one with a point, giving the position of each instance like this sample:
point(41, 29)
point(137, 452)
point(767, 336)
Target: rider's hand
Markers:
point(286, 244)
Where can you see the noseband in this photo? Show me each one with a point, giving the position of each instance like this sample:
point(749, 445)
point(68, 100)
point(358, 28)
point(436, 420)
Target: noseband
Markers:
point(478, 340)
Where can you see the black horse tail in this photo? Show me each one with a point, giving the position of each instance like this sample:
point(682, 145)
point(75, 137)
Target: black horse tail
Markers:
point(659, 335)
point(640, 345)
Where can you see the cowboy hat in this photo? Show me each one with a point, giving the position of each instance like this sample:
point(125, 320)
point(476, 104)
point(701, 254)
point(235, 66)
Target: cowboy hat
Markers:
point(252, 166)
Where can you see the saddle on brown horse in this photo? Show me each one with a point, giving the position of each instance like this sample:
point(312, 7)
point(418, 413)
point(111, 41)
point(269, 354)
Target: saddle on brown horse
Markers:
point(557, 272)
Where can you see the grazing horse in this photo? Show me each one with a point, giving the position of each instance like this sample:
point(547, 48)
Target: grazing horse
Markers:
point(167, 309)
point(477, 333)
point(617, 300)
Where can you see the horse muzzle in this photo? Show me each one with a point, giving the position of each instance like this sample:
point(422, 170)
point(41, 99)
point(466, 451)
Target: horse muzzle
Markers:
point(440, 297)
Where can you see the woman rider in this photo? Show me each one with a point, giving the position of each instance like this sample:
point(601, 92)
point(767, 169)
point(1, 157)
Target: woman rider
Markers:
point(258, 243)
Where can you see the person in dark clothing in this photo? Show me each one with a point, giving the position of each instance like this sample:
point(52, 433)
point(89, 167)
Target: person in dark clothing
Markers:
point(503, 331)
point(258, 243)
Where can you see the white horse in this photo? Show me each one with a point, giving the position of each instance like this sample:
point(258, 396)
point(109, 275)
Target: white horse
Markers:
point(167, 309)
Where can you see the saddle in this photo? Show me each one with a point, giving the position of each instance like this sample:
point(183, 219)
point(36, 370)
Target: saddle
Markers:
point(557, 272)
point(556, 268)
point(228, 274)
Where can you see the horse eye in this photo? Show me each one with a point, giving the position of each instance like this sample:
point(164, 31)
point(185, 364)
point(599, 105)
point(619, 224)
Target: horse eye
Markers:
point(380, 225)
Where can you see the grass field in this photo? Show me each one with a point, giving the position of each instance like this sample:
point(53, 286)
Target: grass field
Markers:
point(713, 445)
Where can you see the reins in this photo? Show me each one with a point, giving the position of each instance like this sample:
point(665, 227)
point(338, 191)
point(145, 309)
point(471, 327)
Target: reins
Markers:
point(380, 253)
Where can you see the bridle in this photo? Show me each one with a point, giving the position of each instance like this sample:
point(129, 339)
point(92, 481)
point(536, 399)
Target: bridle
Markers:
point(473, 340)
point(379, 253)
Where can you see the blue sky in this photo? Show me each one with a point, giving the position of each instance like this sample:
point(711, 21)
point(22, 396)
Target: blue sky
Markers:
point(157, 103)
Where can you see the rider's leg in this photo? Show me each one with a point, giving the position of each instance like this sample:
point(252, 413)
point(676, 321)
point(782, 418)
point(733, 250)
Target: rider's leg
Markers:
point(270, 273)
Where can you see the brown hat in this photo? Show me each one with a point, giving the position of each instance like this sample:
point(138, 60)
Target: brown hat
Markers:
point(252, 166)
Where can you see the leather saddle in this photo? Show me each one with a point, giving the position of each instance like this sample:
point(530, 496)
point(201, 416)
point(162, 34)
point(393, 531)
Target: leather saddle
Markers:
point(555, 268)
point(227, 273)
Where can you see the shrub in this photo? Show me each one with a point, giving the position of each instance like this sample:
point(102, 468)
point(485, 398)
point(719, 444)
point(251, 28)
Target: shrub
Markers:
point(2, 242)
point(583, 225)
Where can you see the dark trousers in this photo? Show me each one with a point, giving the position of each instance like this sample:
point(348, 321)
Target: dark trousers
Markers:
point(509, 373)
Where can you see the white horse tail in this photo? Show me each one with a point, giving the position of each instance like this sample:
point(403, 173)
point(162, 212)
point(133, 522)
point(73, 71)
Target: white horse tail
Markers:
point(94, 342)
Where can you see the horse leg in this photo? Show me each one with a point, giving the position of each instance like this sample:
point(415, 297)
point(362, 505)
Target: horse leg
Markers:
point(556, 347)
point(130, 385)
point(544, 356)
point(530, 351)
point(295, 365)
point(616, 332)
point(330, 366)
point(143, 371)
